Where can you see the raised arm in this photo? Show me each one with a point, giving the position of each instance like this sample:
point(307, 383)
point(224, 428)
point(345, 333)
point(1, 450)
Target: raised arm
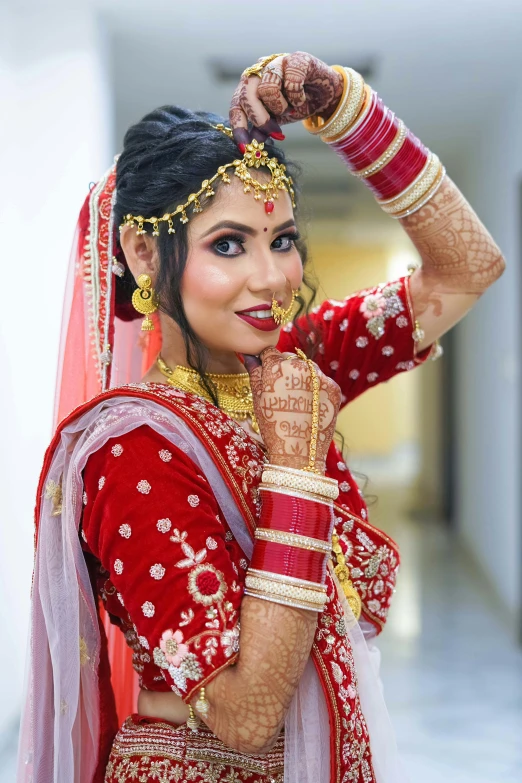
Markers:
point(460, 260)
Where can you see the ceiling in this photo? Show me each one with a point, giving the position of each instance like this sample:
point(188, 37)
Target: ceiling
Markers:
point(442, 66)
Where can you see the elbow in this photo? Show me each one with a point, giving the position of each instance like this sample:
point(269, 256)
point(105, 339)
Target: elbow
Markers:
point(260, 746)
point(251, 737)
point(499, 266)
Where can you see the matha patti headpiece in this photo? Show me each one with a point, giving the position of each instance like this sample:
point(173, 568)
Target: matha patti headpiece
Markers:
point(255, 157)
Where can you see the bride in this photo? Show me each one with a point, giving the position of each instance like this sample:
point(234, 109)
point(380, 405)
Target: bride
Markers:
point(196, 511)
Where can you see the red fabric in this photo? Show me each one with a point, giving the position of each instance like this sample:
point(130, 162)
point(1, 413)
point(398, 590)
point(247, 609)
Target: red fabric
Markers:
point(356, 351)
point(154, 525)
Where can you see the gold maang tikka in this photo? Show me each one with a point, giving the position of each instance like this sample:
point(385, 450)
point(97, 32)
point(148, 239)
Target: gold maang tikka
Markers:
point(255, 157)
point(283, 315)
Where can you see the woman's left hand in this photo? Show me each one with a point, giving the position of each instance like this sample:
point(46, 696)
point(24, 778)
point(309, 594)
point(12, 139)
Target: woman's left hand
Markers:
point(290, 88)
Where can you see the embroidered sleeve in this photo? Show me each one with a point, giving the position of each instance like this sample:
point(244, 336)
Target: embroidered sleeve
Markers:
point(153, 522)
point(364, 340)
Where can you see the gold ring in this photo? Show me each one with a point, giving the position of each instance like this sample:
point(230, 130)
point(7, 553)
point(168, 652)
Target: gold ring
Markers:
point(258, 68)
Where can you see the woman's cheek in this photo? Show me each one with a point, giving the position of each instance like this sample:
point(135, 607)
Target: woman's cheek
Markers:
point(294, 272)
point(206, 283)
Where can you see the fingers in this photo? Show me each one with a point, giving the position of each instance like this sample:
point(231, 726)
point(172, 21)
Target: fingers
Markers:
point(270, 88)
point(238, 120)
point(295, 71)
point(251, 362)
point(247, 106)
point(270, 353)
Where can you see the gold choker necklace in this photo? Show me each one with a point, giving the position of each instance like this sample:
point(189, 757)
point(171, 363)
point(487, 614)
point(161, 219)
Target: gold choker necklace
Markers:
point(233, 391)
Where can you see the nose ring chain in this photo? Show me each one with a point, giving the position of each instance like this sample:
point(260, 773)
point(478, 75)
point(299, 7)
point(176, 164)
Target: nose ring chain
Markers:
point(283, 315)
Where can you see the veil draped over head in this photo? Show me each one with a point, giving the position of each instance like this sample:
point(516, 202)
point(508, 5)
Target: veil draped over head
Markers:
point(69, 717)
point(97, 352)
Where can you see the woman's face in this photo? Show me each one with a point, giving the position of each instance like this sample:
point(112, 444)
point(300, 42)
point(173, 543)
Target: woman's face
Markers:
point(239, 257)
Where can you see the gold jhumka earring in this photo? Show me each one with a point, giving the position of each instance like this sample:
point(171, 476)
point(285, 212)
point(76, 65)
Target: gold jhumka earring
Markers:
point(144, 300)
point(282, 315)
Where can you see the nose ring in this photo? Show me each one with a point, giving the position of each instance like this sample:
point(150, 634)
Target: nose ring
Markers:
point(283, 315)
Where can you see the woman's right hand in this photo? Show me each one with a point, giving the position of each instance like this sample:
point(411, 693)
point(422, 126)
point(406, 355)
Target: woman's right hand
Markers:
point(282, 391)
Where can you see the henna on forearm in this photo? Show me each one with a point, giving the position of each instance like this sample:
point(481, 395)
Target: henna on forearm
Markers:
point(458, 254)
point(249, 701)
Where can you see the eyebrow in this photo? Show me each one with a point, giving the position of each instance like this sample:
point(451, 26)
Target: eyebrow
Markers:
point(231, 224)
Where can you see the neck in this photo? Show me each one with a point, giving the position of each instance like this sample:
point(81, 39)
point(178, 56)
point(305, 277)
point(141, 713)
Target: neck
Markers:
point(173, 352)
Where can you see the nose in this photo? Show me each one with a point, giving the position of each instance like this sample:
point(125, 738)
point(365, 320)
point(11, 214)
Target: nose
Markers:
point(267, 276)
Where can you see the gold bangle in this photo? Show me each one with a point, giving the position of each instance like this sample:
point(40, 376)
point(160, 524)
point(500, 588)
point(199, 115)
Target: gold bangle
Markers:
point(424, 199)
point(316, 124)
point(283, 601)
point(291, 581)
point(346, 118)
point(330, 482)
point(293, 539)
point(415, 191)
point(361, 117)
point(295, 493)
point(285, 590)
point(387, 155)
point(303, 481)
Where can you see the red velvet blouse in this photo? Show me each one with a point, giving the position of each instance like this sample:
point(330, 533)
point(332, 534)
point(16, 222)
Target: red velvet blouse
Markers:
point(164, 560)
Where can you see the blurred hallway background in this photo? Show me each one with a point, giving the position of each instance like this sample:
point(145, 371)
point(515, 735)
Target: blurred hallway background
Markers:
point(442, 446)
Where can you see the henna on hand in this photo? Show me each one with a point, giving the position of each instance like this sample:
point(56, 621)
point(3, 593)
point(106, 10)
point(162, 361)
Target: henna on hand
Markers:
point(282, 392)
point(292, 88)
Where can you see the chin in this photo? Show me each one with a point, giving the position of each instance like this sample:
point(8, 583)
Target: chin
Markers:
point(255, 344)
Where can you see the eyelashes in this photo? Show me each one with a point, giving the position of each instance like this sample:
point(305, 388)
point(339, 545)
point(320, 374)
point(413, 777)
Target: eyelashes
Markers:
point(233, 244)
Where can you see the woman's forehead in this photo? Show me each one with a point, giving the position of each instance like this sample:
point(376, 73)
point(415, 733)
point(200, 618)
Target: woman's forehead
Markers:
point(232, 204)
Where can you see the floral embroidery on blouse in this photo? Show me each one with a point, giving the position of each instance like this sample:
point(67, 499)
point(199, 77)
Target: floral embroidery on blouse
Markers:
point(207, 586)
point(380, 304)
point(164, 525)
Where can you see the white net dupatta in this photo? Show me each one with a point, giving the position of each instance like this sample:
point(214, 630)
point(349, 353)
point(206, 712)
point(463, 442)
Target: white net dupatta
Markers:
point(60, 723)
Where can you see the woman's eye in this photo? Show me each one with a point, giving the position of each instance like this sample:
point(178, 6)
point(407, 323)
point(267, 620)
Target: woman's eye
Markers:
point(228, 246)
point(285, 242)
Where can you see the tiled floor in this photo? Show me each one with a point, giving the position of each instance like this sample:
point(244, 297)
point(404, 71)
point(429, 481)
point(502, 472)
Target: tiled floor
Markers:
point(452, 675)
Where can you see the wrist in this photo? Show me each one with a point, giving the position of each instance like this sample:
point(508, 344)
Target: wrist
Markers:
point(379, 150)
point(338, 86)
point(296, 462)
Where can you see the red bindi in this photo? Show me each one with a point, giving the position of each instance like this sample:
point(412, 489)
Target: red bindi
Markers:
point(265, 229)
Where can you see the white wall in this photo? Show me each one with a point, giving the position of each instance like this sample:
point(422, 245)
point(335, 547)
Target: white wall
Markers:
point(55, 138)
point(489, 353)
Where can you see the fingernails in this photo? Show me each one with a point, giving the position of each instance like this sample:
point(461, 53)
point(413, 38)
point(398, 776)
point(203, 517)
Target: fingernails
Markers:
point(270, 127)
point(241, 137)
point(278, 136)
point(251, 362)
point(240, 357)
point(259, 135)
point(242, 148)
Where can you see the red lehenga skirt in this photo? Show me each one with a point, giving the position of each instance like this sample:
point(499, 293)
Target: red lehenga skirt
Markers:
point(147, 750)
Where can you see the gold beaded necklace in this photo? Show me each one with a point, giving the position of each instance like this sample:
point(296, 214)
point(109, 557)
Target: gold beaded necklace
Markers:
point(233, 390)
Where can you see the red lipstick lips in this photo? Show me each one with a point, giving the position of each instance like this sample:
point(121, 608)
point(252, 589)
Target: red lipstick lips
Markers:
point(263, 322)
